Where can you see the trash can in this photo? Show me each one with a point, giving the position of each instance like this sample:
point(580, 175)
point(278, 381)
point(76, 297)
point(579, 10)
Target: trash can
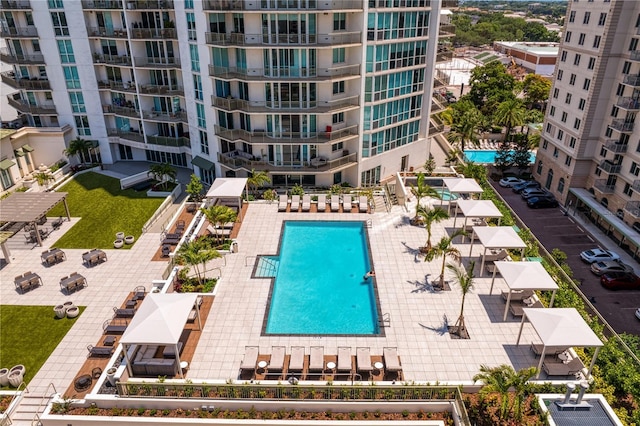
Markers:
point(234, 247)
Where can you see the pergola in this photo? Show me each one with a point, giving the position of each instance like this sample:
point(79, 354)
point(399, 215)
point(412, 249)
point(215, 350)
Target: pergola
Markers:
point(228, 188)
point(496, 237)
point(480, 209)
point(160, 320)
point(29, 207)
point(560, 327)
point(524, 276)
point(461, 186)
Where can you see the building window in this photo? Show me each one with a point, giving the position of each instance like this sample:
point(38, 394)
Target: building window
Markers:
point(592, 63)
point(82, 125)
point(567, 37)
point(555, 93)
point(66, 52)
point(561, 185)
point(576, 124)
point(563, 56)
point(339, 55)
point(633, 45)
point(603, 19)
point(191, 26)
point(614, 111)
point(71, 77)
point(608, 132)
point(572, 16)
point(620, 90)
point(60, 27)
point(626, 67)
point(338, 87)
point(55, 4)
point(555, 152)
point(576, 59)
point(572, 79)
point(370, 177)
point(238, 23)
point(36, 45)
point(564, 117)
point(627, 190)
point(567, 160)
point(586, 84)
point(587, 16)
point(560, 135)
point(545, 144)
point(581, 104)
point(603, 151)
point(197, 86)
point(560, 73)
point(188, 4)
point(549, 128)
point(337, 146)
point(539, 168)
point(552, 111)
point(581, 39)
point(337, 118)
point(339, 21)
point(195, 57)
point(202, 120)
point(596, 41)
point(204, 142)
point(635, 169)
point(598, 171)
point(549, 179)
point(77, 102)
point(567, 99)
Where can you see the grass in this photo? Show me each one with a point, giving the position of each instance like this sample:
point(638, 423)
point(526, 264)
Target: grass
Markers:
point(105, 209)
point(28, 335)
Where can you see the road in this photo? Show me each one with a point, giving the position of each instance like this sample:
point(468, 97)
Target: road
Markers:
point(555, 230)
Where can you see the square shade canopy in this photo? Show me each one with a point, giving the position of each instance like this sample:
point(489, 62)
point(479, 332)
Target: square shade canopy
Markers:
point(476, 209)
point(462, 186)
point(496, 237)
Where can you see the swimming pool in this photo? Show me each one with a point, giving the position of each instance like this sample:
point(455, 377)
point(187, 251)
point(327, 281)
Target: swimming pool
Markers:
point(319, 286)
point(446, 195)
point(489, 156)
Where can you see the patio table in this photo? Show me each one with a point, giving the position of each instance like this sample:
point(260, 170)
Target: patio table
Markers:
point(28, 281)
point(53, 256)
point(74, 282)
point(94, 257)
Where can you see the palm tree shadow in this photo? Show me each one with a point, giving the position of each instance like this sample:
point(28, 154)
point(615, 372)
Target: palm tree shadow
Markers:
point(442, 329)
point(422, 286)
point(404, 221)
point(414, 251)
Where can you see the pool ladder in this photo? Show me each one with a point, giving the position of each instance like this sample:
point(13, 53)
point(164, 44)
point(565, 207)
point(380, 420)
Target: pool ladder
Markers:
point(385, 321)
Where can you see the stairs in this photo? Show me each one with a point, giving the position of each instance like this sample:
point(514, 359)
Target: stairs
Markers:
point(25, 412)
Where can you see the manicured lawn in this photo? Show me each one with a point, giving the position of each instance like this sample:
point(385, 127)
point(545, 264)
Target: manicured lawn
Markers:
point(28, 335)
point(105, 209)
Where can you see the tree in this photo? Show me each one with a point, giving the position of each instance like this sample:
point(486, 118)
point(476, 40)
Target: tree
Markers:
point(521, 157)
point(79, 147)
point(510, 114)
point(504, 157)
point(465, 280)
point(257, 179)
point(194, 188)
point(429, 165)
point(500, 380)
point(490, 85)
point(519, 381)
point(218, 216)
point(421, 190)
point(197, 253)
point(464, 124)
point(429, 216)
point(444, 249)
point(163, 173)
point(536, 89)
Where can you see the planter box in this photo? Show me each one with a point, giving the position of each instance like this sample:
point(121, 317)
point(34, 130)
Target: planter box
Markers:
point(158, 194)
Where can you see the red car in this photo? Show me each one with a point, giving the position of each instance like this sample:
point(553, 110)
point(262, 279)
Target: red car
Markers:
point(620, 280)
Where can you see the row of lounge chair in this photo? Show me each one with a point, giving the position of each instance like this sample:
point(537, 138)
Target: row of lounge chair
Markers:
point(335, 202)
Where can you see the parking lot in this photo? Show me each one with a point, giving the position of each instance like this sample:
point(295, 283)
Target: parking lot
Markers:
point(555, 230)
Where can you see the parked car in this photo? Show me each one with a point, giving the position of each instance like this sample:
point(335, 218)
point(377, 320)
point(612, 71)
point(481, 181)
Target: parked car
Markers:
point(534, 192)
point(597, 254)
point(620, 281)
point(542, 202)
point(508, 182)
point(517, 188)
point(638, 313)
point(604, 266)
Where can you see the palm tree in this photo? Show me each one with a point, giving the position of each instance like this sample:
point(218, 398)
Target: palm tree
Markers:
point(43, 178)
point(197, 253)
point(465, 279)
point(510, 113)
point(218, 216)
point(465, 128)
point(444, 249)
point(520, 382)
point(79, 147)
point(164, 173)
point(257, 179)
point(429, 216)
point(496, 379)
point(421, 190)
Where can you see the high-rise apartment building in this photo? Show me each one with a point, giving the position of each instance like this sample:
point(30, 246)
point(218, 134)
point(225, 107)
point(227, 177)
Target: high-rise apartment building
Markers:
point(317, 92)
point(589, 154)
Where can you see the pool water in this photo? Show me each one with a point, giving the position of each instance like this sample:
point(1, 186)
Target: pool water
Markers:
point(446, 195)
point(319, 286)
point(489, 156)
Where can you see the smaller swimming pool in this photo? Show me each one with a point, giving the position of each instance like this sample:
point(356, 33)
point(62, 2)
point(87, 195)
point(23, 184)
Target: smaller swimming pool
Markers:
point(446, 195)
point(489, 156)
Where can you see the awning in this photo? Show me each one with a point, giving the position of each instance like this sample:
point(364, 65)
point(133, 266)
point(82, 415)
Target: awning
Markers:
point(203, 163)
point(27, 148)
point(19, 152)
point(6, 164)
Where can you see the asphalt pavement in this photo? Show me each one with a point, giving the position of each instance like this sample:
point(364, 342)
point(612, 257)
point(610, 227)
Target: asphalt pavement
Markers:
point(570, 234)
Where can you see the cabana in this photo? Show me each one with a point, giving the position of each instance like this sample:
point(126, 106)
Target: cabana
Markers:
point(521, 276)
point(160, 320)
point(476, 209)
point(224, 189)
point(461, 186)
point(496, 237)
point(560, 327)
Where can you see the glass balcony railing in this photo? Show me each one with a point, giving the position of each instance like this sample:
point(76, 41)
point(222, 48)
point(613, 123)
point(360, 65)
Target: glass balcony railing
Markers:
point(129, 135)
point(19, 32)
point(230, 104)
point(284, 72)
point(107, 32)
point(9, 57)
point(632, 80)
point(154, 33)
point(15, 5)
point(10, 79)
point(227, 5)
point(102, 4)
point(168, 141)
point(155, 89)
point(153, 62)
point(149, 4)
point(240, 39)
point(240, 160)
point(636, 185)
point(111, 59)
point(26, 107)
point(261, 137)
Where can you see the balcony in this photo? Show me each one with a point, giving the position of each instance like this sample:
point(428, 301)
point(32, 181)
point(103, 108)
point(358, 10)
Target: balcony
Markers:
point(449, 3)
point(153, 33)
point(119, 110)
point(102, 4)
point(27, 108)
point(24, 83)
point(167, 141)
point(235, 160)
point(152, 62)
point(132, 136)
point(237, 39)
point(289, 73)
point(614, 145)
point(111, 59)
point(602, 186)
point(149, 4)
point(8, 5)
point(261, 137)
point(632, 80)
point(444, 56)
point(9, 57)
point(634, 55)
point(165, 116)
point(622, 126)
point(441, 79)
point(117, 86)
point(273, 5)
point(435, 128)
point(19, 32)
point(230, 105)
point(609, 167)
point(633, 208)
point(447, 30)
point(628, 103)
point(154, 89)
point(107, 32)
point(636, 185)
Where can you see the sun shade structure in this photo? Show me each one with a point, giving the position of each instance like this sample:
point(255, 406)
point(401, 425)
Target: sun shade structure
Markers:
point(29, 207)
point(160, 320)
point(224, 189)
point(461, 186)
point(560, 327)
point(496, 237)
point(476, 209)
point(524, 276)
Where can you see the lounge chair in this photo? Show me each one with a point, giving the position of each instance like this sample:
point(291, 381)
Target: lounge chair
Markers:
point(550, 351)
point(276, 363)
point(517, 308)
point(363, 204)
point(282, 204)
point(559, 368)
point(335, 203)
point(296, 360)
point(295, 203)
point(391, 359)
point(316, 358)
point(501, 255)
point(100, 350)
point(517, 294)
point(347, 203)
point(322, 203)
point(306, 203)
point(250, 359)
point(363, 359)
point(344, 359)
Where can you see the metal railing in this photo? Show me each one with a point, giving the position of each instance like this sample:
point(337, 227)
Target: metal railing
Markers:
point(156, 89)
point(25, 106)
point(604, 187)
point(149, 4)
point(230, 5)
point(15, 5)
point(13, 32)
point(633, 208)
point(133, 136)
point(614, 145)
point(45, 398)
point(165, 33)
point(628, 103)
point(238, 162)
point(165, 116)
point(117, 86)
point(111, 59)
point(9, 57)
point(632, 80)
point(621, 125)
point(230, 104)
point(168, 141)
point(634, 55)
point(240, 39)
point(157, 62)
point(447, 30)
point(283, 72)
point(9, 78)
point(636, 185)
point(609, 167)
point(286, 137)
point(119, 110)
point(107, 32)
point(102, 4)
